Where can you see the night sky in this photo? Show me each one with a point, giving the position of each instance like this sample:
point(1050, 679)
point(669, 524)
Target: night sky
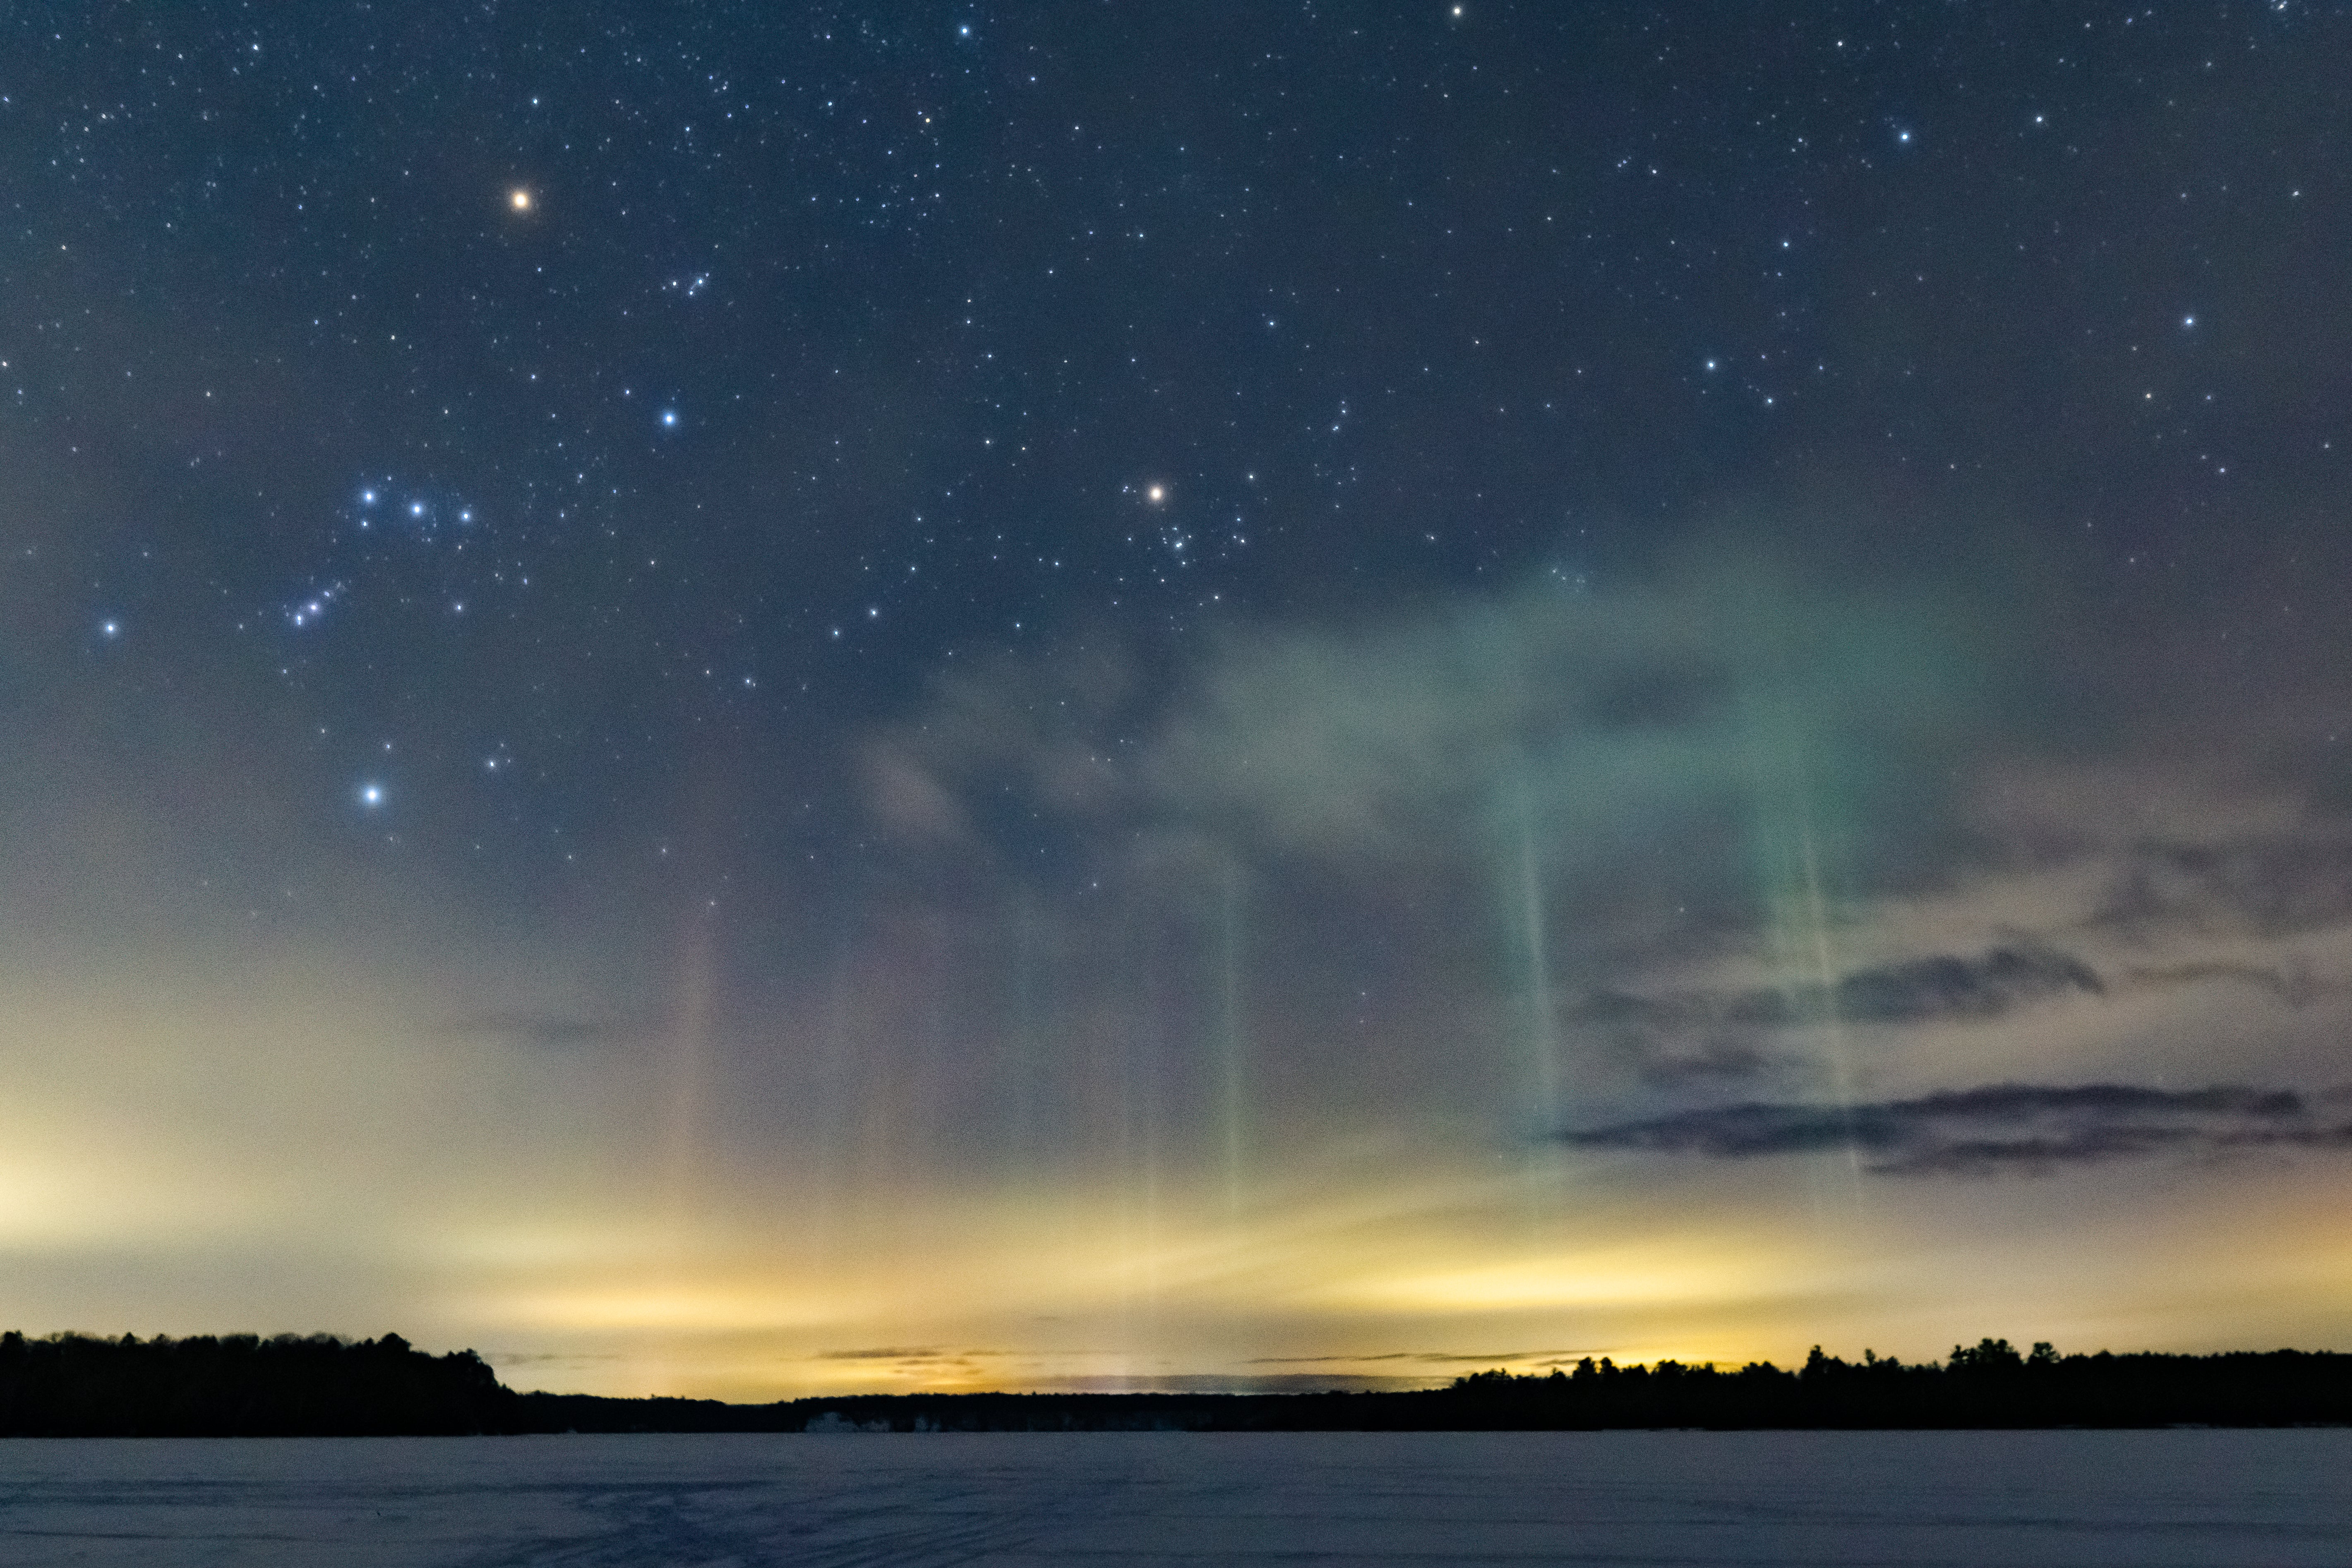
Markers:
point(736, 699)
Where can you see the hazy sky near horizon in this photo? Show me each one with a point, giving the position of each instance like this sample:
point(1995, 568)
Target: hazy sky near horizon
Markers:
point(736, 699)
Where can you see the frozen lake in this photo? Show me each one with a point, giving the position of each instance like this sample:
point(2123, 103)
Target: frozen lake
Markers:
point(2021, 1499)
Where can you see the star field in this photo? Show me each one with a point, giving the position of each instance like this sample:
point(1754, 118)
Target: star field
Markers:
point(1354, 302)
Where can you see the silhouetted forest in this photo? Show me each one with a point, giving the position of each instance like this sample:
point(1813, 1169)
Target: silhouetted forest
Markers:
point(70, 1385)
point(241, 1386)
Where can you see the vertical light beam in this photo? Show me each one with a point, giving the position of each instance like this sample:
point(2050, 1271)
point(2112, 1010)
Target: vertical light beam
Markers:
point(1542, 1043)
point(1231, 1041)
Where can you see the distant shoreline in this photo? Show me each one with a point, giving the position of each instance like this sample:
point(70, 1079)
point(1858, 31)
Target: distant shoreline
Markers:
point(319, 1385)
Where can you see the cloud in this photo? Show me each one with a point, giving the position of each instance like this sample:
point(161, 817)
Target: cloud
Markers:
point(1720, 1034)
point(1585, 727)
point(1595, 837)
point(1666, 744)
point(1006, 741)
point(2274, 885)
point(547, 1029)
point(1912, 991)
point(2291, 983)
point(1996, 1127)
point(1946, 987)
point(1663, 1062)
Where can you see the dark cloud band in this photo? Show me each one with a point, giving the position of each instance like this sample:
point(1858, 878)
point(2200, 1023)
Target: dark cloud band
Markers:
point(1996, 1127)
point(1915, 991)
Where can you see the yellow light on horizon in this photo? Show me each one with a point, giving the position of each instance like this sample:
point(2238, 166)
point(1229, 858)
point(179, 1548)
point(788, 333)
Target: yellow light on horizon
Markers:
point(687, 1308)
point(1656, 1278)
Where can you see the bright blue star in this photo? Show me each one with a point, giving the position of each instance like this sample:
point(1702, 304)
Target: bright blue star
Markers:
point(110, 628)
point(669, 418)
point(372, 795)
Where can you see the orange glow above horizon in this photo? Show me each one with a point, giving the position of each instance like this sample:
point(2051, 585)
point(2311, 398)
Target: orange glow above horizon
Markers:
point(596, 1231)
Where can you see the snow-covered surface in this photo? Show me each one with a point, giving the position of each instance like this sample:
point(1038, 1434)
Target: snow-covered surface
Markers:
point(2133, 1499)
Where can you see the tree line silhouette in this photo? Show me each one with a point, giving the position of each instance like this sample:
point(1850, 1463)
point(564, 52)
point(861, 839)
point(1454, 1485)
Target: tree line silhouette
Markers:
point(320, 1385)
point(1986, 1384)
point(317, 1386)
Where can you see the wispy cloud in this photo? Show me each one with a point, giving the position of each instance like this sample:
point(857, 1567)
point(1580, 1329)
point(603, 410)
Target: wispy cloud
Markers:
point(2291, 983)
point(1698, 1034)
point(2272, 885)
point(1939, 986)
point(546, 1028)
point(1993, 1128)
point(1585, 729)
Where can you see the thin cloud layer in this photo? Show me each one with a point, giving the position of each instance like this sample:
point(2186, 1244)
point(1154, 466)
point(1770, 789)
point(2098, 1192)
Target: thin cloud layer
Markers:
point(547, 1029)
point(1743, 821)
point(2277, 885)
point(2291, 983)
point(1998, 1126)
point(1580, 730)
point(1939, 986)
point(1687, 730)
point(1698, 1034)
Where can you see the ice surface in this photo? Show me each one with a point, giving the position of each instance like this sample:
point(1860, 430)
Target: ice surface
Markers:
point(2021, 1499)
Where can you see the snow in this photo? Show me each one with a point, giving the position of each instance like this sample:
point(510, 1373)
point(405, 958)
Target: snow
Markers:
point(2021, 1500)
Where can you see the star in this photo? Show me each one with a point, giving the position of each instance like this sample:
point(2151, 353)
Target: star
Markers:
point(372, 795)
point(669, 418)
point(519, 199)
point(1156, 494)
